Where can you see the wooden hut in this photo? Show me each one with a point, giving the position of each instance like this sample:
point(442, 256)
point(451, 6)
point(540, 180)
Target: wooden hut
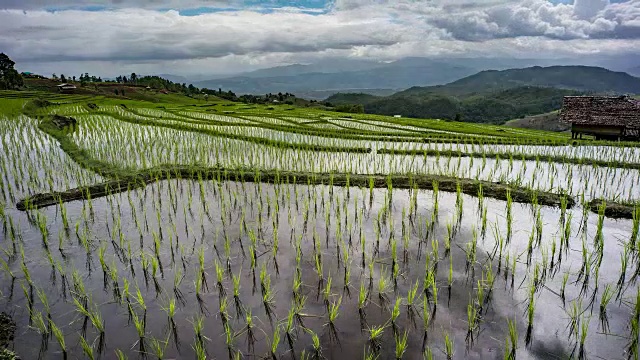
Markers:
point(66, 88)
point(605, 117)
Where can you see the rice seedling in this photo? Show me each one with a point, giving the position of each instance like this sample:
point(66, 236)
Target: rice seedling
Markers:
point(530, 313)
point(472, 321)
point(375, 338)
point(41, 327)
point(158, 347)
point(333, 311)
point(411, 297)
point(58, 334)
point(395, 313)
point(401, 345)
point(607, 295)
point(584, 331)
point(120, 355)
point(512, 340)
point(448, 346)
point(275, 340)
point(383, 288)
point(223, 312)
point(140, 326)
point(236, 294)
point(86, 348)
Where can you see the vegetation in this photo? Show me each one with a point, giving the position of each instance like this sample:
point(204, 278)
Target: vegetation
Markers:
point(225, 229)
point(9, 77)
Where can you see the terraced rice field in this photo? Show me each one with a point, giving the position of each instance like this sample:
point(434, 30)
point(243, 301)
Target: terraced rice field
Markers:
point(221, 230)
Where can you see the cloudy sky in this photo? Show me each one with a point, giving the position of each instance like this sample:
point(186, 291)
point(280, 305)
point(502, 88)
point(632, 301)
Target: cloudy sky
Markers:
point(190, 37)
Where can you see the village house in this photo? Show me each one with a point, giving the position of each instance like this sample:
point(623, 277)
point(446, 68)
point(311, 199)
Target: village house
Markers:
point(604, 117)
point(66, 87)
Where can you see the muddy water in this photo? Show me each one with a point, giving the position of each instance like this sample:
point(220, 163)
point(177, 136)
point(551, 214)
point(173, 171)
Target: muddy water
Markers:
point(166, 208)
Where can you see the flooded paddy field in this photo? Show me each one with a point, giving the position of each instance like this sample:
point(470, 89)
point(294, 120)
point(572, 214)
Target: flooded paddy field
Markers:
point(220, 267)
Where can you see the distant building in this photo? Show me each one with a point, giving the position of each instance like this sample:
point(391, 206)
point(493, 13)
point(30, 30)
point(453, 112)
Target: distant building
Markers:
point(66, 87)
point(397, 116)
point(605, 117)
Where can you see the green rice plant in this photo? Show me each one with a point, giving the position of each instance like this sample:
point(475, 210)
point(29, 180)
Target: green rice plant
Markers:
point(222, 311)
point(635, 228)
point(326, 292)
point(634, 336)
point(375, 337)
point(584, 331)
point(289, 327)
point(563, 286)
point(624, 259)
point(177, 281)
point(434, 185)
point(275, 340)
point(333, 311)
point(86, 348)
point(509, 214)
point(472, 321)
point(512, 340)
point(530, 313)
point(483, 226)
point(574, 313)
point(317, 348)
point(219, 279)
point(447, 240)
point(120, 355)
point(450, 274)
point(229, 341)
point(427, 354)
point(395, 313)
point(401, 345)
point(158, 347)
point(607, 295)
point(38, 324)
point(58, 334)
point(383, 287)
point(198, 326)
point(448, 346)
point(268, 298)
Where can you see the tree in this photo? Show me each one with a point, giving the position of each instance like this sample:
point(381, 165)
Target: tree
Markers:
point(63, 78)
point(133, 78)
point(9, 77)
point(74, 78)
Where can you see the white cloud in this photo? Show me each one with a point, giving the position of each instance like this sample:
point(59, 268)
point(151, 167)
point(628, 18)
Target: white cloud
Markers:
point(145, 41)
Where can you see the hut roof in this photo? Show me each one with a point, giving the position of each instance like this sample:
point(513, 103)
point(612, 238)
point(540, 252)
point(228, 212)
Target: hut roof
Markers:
point(601, 110)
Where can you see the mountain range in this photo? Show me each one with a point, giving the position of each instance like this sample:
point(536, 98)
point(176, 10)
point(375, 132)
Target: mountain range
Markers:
point(496, 96)
point(323, 78)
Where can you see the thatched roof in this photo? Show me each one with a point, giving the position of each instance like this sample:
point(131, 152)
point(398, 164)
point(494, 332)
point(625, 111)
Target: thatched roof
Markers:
point(601, 110)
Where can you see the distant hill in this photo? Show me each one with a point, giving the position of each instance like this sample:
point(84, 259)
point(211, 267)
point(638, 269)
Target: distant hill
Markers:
point(328, 77)
point(497, 96)
point(584, 78)
point(388, 76)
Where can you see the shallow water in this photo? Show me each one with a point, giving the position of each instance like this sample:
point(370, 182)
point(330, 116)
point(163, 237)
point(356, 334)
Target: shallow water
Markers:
point(175, 211)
